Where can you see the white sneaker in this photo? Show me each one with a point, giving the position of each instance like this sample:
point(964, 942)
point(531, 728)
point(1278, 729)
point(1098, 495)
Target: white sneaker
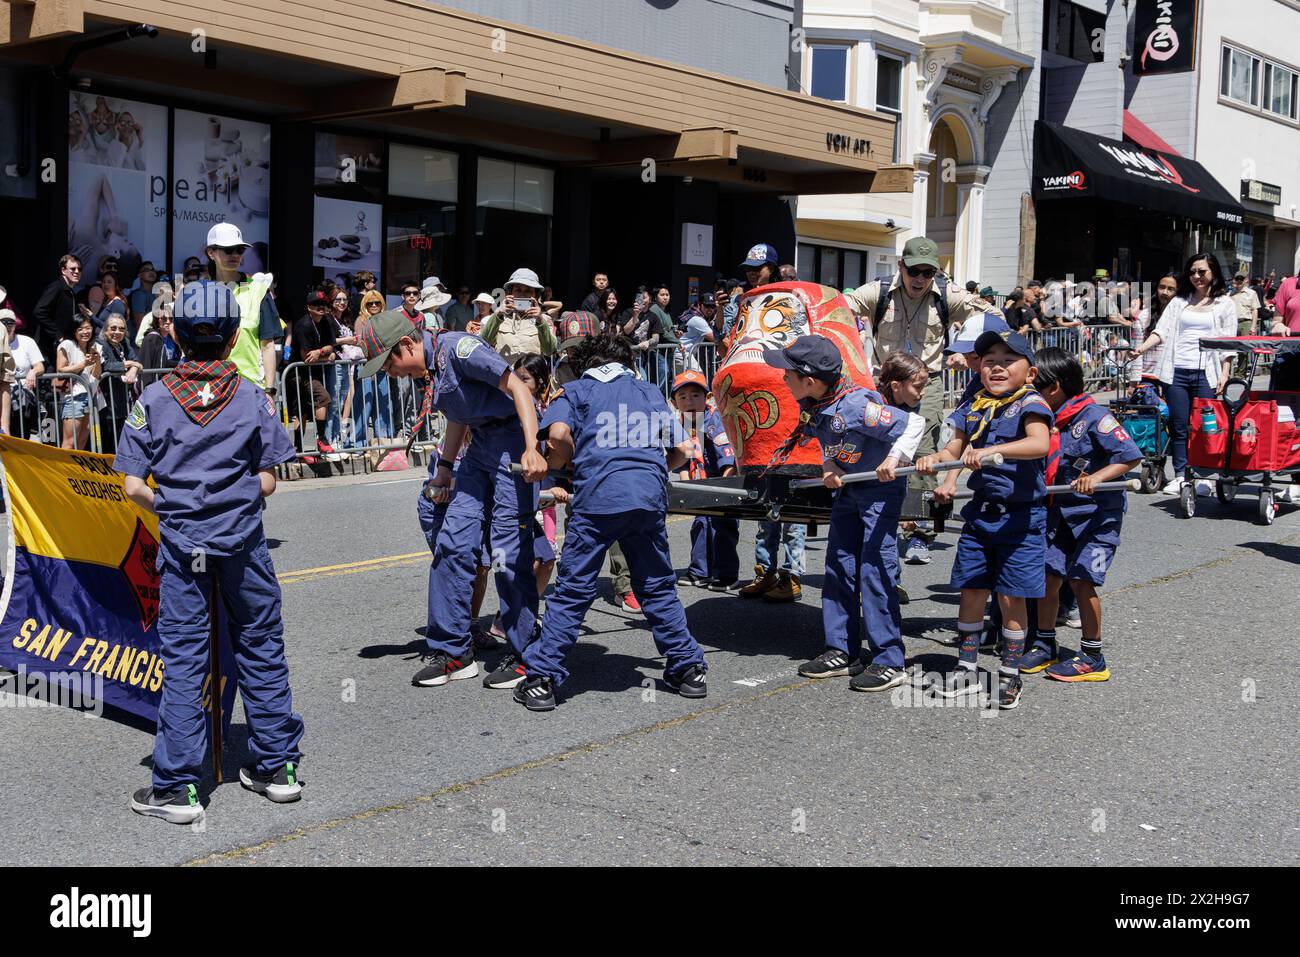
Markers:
point(1203, 488)
point(1174, 487)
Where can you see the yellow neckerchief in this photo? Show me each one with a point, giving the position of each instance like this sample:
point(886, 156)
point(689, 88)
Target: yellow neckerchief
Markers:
point(992, 405)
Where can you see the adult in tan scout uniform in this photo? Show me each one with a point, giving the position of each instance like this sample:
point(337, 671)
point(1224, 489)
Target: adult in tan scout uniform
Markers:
point(913, 314)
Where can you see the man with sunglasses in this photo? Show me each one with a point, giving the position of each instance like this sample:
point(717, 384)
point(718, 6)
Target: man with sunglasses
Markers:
point(56, 310)
point(259, 323)
point(913, 314)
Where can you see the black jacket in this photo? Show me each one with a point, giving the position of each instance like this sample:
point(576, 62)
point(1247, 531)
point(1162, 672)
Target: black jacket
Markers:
point(56, 318)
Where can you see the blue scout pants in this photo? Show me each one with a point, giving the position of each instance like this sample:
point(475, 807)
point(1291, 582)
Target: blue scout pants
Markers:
point(713, 548)
point(250, 595)
point(644, 538)
point(485, 492)
point(861, 570)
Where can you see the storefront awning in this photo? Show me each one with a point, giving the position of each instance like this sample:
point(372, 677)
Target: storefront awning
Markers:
point(1072, 164)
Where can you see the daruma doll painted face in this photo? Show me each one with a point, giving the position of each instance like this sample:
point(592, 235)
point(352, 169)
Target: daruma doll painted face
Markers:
point(758, 409)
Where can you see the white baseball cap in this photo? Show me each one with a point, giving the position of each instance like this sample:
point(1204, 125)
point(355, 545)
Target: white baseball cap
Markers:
point(227, 236)
point(7, 314)
point(972, 329)
point(485, 298)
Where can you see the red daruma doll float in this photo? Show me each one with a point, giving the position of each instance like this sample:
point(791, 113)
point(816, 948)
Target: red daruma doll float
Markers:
point(759, 411)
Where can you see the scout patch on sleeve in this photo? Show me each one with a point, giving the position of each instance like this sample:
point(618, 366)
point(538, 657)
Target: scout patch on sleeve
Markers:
point(872, 414)
point(837, 423)
point(1108, 424)
point(466, 345)
point(720, 438)
point(138, 418)
point(1036, 403)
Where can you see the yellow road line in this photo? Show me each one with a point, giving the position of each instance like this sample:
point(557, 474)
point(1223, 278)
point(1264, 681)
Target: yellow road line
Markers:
point(382, 564)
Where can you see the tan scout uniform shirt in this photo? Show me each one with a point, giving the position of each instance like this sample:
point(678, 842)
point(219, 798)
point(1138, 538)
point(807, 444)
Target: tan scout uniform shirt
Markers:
point(914, 327)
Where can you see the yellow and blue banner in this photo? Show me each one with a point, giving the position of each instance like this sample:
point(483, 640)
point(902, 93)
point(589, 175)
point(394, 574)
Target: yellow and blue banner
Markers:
point(81, 588)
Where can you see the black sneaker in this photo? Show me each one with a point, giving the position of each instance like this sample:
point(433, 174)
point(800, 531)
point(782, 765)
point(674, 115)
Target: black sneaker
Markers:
point(1009, 691)
point(536, 694)
point(281, 786)
point(689, 579)
point(507, 674)
point(878, 678)
point(180, 806)
point(731, 585)
point(831, 663)
point(858, 666)
point(689, 682)
point(440, 668)
point(959, 683)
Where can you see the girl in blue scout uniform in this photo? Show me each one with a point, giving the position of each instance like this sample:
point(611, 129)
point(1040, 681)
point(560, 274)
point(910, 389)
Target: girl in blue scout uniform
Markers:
point(858, 432)
point(1002, 545)
point(474, 388)
point(714, 561)
point(211, 439)
point(1089, 446)
point(615, 429)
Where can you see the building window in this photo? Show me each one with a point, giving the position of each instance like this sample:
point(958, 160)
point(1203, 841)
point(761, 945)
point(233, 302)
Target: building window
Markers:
point(1239, 77)
point(830, 72)
point(889, 93)
point(1280, 90)
point(1075, 32)
point(1251, 80)
point(512, 221)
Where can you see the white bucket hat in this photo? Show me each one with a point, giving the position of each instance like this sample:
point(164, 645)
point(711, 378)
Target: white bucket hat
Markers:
point(431, 297)
point(485, 298)
point(525, 277)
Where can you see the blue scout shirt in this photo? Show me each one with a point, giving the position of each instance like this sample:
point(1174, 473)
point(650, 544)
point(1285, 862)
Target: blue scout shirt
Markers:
point(621, 426)
point(466, 374)
point(1012, 481)
point(858, 430)
point(209, 495)
point(1091, 440)
point(713, 444)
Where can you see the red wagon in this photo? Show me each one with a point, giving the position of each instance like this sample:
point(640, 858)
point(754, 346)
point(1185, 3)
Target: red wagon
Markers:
point(1248, 436)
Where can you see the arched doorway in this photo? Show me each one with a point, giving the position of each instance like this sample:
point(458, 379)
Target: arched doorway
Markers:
point(953, 151)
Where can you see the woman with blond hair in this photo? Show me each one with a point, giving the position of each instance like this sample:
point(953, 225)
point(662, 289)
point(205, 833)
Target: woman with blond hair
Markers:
point(371, 405)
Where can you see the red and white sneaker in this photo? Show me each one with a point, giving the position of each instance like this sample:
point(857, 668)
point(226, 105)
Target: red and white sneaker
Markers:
point(440, 668)
point(628, 602)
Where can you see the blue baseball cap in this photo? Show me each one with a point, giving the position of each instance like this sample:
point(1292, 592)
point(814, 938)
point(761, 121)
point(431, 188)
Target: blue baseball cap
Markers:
point(813, 356)
point(972, 329)
point(1012, 340)
point(760, 254)
point(206, 313)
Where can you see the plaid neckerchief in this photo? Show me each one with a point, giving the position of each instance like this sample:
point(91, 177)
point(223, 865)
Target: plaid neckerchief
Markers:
point(426, 409)
point(203, 389)
point(808, 408)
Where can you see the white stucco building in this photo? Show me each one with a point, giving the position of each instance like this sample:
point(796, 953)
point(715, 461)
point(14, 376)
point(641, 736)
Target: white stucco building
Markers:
point(940, 66)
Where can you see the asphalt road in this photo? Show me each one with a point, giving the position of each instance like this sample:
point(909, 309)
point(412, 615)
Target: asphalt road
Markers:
point(1187, 756)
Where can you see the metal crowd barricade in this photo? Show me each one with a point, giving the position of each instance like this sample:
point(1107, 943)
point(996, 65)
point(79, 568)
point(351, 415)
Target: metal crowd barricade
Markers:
point(376, 414)
point(38, 414)
point(661, 365)
point(1088, 344)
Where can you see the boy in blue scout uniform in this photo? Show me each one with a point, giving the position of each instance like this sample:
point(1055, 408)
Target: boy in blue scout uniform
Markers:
point(1002, 545)
point(615, 429)
point(858, 433)
point(1089, 446)
point(474, 388)
point(211, 439)
point(714, 561)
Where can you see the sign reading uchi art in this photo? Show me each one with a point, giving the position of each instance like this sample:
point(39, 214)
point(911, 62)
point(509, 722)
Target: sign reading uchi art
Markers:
point(1164, 36)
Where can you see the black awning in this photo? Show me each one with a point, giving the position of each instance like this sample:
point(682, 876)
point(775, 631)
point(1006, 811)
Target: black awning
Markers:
point(1072, 164)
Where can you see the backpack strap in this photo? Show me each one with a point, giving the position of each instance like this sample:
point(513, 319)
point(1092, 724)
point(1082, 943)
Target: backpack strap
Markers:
point(882, 303)
point(941, 287)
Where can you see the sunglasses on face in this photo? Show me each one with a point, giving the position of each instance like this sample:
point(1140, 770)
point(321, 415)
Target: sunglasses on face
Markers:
point(375, 305)
point(1201, 272)
point(73, 268)
point(920, 272)
point(410, 294)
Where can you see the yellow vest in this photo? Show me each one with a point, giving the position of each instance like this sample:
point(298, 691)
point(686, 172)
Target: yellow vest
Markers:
point(247, 354)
